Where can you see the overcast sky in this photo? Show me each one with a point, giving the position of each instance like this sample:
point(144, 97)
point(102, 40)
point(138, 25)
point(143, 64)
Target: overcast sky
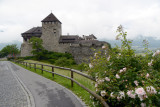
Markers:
point(82, 17)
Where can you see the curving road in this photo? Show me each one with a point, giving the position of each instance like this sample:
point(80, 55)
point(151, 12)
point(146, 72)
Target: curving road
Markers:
point(22, 88)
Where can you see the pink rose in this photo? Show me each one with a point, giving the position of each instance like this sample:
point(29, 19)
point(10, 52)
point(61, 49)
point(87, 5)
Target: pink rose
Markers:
point(107, 79)
point(147, 75)
point(131, 94)
point(96, 85)
point(103, 93)
point(95, 54)
point(121, 71)
point(112, 95)
point(90, 65)
point(117, 76)
point(150, 64)
point(136, 83)
point(143, 105)
point(140, 91)
point(151, 90)
point(120, 95)
point(103, 47)
point(108, 58)
point(124, 69)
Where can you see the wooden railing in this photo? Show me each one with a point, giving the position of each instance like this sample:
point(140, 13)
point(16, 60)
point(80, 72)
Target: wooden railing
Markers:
point(34, 65)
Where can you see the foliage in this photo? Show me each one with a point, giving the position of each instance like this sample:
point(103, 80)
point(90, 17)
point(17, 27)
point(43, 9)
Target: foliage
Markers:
point(109, 45)
point(9, 49)
point(52, 61)
point(64, 62)
point(26, 58)
point(82, 67)
point(125, 79)
point(55, 55)
point(53, 58)
point(37, 47)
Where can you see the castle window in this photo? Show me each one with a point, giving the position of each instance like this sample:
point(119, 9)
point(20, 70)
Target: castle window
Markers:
point(54, 30)
point(93, 44)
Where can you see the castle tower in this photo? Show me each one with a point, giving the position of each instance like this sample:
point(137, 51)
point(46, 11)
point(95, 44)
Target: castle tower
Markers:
point(51, 32)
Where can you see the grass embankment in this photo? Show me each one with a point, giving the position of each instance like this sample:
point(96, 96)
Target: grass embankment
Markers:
point(80, 92)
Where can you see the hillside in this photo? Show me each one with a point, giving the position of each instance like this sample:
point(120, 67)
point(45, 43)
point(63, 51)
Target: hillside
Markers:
point(137, 44)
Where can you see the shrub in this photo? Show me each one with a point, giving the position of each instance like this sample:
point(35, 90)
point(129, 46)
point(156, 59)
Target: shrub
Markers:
point(52, 61)
point(64, 62)
point(20, 60)
point(125, 79)
point(10, 58)
point(82, 67)
point(50, 56)
point(26, 58)
point(156, 61)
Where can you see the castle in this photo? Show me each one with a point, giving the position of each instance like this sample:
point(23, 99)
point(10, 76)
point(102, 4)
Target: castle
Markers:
point(53, 40)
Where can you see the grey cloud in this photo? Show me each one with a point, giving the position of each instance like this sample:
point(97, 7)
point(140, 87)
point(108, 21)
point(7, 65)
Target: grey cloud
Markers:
point(99, 17)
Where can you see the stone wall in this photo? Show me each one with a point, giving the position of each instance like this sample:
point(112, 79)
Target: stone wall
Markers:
point(64, 48)
point(26, 49)
point(83, 53)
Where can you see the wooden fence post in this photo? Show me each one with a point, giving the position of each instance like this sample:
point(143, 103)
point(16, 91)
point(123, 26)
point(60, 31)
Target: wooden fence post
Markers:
point(26, 64)
point(29, 65)
point(71, 77)
point(35, 67)
point(52, 71)
point(42, 68)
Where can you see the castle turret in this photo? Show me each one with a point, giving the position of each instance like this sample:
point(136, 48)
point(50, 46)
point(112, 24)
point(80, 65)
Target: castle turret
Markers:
point(51, 32)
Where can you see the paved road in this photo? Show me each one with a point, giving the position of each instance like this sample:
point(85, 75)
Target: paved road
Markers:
point(42, 92)
point(12, 93)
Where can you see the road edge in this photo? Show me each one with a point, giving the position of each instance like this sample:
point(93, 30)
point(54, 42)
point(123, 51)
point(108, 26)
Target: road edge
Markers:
point(30, 98)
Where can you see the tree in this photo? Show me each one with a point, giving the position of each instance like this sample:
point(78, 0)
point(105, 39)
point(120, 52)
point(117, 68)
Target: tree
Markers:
point(37, 47)
point(9, 49)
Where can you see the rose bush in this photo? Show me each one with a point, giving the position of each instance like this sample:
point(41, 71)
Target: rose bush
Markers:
point(124, 78)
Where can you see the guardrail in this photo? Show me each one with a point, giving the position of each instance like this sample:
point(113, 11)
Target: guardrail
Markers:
point(27, 64)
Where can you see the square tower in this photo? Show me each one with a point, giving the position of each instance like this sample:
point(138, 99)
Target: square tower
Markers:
point(51, 32)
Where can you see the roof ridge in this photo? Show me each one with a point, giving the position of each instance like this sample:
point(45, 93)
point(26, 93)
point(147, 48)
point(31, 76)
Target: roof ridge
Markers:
point(50, 18)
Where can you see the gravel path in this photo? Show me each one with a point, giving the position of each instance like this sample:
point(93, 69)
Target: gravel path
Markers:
point(45, 92)
point(12, 94)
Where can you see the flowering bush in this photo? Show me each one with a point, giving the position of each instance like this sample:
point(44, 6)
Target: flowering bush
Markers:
point(125, 79)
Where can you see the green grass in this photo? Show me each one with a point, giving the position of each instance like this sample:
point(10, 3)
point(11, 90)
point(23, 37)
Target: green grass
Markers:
point(80, 92)
point(75, 66)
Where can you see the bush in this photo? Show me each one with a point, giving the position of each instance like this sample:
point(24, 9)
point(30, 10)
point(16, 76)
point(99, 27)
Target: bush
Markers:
point(82, 67)
point(26, 58)
point(10, 58)
point(52, 61)
point(125, 79)
point(50, 56)
point(156, 62)
point(64, 62)
point(20, 60)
